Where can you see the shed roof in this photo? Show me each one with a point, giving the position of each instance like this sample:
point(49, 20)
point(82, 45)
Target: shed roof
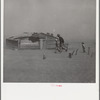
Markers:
point(35, 34)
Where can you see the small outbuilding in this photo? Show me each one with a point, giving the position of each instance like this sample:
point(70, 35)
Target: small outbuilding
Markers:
point(32, 41)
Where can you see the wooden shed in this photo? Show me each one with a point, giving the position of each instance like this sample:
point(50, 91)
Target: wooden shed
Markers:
point(32, 41)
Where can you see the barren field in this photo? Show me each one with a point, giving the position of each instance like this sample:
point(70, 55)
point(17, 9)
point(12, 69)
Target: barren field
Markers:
point(29, 65)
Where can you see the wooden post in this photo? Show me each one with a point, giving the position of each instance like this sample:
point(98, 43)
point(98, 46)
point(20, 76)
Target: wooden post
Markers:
point(76, 52)
point(44, 44)
point(19, 42)
point(70, 55)
point(88, 50)
point(44, 57)
point(73, 52)
point(41, 44)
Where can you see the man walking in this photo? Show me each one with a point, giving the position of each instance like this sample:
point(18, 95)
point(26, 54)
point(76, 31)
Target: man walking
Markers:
point(61, 43)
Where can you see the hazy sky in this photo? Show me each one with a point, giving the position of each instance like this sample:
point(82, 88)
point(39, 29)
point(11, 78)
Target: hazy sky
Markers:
point(73, 19)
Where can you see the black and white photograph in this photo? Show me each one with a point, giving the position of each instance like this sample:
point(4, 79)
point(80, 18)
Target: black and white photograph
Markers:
point(49, 41)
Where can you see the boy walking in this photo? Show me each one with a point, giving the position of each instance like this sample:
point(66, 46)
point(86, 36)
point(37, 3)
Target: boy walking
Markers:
point(61, 43)
point(83, 47)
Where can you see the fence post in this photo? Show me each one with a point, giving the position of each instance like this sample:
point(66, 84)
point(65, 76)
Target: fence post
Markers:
point(76, 51)
point(73, 52)
point(44, 57)
point(70, 55)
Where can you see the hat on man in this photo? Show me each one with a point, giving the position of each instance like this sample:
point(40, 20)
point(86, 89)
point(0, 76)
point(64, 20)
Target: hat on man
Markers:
point(58, 35)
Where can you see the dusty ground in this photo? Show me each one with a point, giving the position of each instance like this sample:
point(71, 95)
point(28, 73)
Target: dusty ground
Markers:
point(29, 66)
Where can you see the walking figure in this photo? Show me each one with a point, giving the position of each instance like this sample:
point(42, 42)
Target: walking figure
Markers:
point(83, 47)
point(57, 46)
point(61, 43)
